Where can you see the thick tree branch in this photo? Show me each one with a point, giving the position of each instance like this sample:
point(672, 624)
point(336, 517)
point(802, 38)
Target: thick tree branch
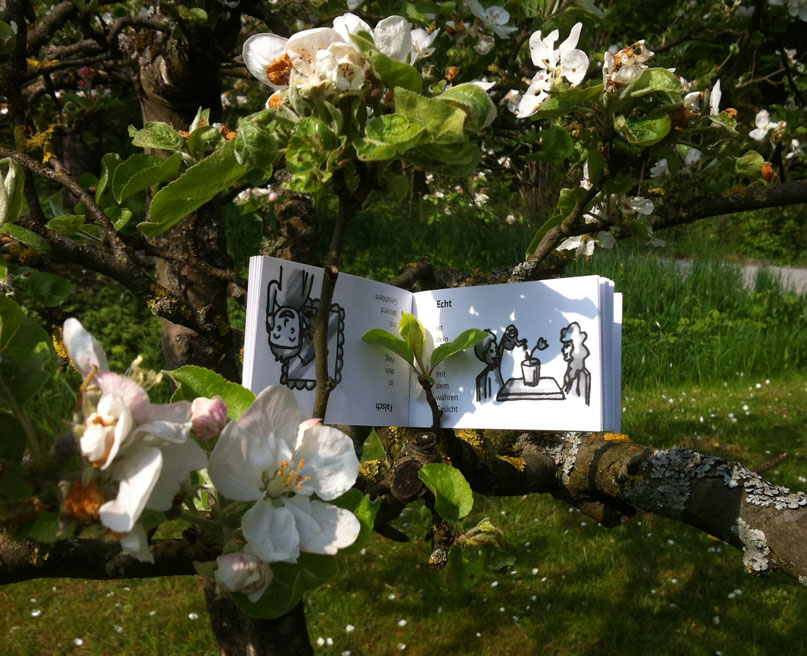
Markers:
point(41, 32)
point(609, 477)
point(748, 198)
point(91, 559)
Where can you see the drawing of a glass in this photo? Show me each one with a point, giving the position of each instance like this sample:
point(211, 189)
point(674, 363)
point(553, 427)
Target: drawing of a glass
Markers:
point(531, 370)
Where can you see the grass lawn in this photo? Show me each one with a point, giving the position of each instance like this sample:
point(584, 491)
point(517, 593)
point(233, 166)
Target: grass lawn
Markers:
point(651, 586)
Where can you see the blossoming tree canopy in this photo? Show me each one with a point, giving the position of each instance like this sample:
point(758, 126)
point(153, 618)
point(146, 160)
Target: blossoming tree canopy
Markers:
point(348, 112)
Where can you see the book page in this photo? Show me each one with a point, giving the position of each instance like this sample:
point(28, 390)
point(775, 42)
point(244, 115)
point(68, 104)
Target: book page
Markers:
point(371, 384)
point(541, 366)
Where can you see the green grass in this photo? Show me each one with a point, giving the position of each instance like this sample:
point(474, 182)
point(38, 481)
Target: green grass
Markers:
point(703, 326)
point(652, 585)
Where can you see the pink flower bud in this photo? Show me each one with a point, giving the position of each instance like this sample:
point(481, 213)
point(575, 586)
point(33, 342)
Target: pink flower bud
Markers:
point(243, 572)
point(208, 417)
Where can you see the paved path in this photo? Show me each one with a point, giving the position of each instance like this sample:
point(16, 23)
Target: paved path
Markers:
point(793, 279)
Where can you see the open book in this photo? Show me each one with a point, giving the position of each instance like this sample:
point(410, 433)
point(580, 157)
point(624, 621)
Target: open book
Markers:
point(551, 360)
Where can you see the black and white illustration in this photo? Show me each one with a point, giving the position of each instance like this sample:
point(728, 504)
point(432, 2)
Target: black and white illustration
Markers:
point(290, 311)
point(512, 354)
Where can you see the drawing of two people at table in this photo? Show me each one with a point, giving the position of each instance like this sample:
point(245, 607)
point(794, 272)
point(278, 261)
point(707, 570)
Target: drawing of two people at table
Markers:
point(531, 386)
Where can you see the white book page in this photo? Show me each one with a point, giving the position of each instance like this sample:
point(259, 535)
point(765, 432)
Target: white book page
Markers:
point(556, 322)
point(372, 384)
point(616, 373)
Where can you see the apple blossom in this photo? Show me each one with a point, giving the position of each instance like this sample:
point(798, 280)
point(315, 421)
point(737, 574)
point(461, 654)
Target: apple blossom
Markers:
point(636, 205)
point(764, 125)
point(494, 18)
point(142, 449)
point(422, 43)
point(659, 168)
point(270, 458)
point(566, 62)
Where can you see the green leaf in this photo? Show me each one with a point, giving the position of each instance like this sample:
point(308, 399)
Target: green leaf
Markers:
point(289, 583)
point(466, 573)
point(652, 80)
point(556, 146)
point(196, 14)
point(722, 119)
point(619, 185)
point(392, 73)
point(453, 498)
point(464, 340)
point(552, 222)
point(155, 134)
point(567, 200)
point(201, 119)
point(141, 172)
point(643, 132)
point(47, 289)
point(11, 317)
point(12, 436)
point(30, 239)
point(13, 484)
point(596, 166)
point(386, 137)
point(118, 215)
point(195, 187)
point(474, 101)
point(27, 361)
point(66, 224)
point(109, 163)
point(453, 160)
point(311, 143)
point(365, 511)
point(197, 381)
point(577, 99)
point(203, 140)
point(444, 123)
point(749, 165)
point(255, 140)
point(8, 37)
point(414, 334)
point(391, 342)
point(45, 528)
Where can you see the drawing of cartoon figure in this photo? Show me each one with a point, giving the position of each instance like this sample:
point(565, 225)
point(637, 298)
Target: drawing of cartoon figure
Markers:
point(289, 311)
point(489, 381)
point(577, 379)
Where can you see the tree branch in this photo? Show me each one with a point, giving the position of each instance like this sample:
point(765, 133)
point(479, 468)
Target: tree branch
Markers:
point(685, 211)
point(91, 559)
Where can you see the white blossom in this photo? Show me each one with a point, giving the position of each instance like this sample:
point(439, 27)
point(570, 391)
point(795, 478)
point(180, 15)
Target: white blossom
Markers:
point(554, 65)
point(763, 124)
point(659, 168)
point(494, 18)
point(422, 43)
point(714, 99)
point(637, 205)
point(270, 458)
point(142, 448)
